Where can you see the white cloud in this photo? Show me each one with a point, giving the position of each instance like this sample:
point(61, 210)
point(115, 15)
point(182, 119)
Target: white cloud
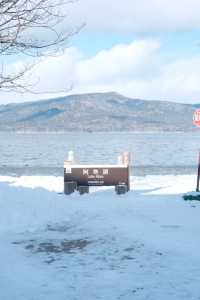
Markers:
point(119, 63)
point(136, 70)
point(136, 15)
point(57, 73)
point(50, 77)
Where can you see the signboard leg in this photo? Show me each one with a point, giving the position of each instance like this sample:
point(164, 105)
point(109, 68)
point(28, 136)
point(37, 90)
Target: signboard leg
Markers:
point(83, 189)
point(121, 189)
point(69, 187)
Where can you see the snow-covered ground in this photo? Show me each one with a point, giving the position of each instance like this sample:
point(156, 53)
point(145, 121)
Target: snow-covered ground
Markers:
point(142, 245)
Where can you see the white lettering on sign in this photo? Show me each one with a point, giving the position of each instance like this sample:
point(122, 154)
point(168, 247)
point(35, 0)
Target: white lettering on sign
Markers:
point(105, 171)
point(85, 171)
point(95, 172)
point(68, 170)
point(101, 182)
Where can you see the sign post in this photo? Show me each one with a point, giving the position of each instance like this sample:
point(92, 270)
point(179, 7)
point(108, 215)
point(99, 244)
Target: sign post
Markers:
point(198, 175)
point(196, 122)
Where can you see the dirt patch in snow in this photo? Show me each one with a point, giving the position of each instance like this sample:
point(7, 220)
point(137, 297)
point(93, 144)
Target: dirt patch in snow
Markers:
point(53, 247)
point(65, 246)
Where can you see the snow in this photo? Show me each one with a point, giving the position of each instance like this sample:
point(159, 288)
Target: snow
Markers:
point(142, 245)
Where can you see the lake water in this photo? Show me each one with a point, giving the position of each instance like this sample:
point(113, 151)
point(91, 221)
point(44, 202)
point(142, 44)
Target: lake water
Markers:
point(152, 153)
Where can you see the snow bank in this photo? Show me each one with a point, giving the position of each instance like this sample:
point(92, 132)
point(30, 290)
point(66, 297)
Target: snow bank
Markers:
point(165, 184)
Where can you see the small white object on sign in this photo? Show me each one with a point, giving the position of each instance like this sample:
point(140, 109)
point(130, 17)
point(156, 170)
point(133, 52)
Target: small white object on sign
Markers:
point(68, 170)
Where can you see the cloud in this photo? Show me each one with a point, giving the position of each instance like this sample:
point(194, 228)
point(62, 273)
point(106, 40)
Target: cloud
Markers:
point(136, 15)
point(118, 63)
point(136, 70)
point(50, 77)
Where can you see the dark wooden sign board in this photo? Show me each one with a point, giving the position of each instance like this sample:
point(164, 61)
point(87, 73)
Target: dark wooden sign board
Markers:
point(81, 177)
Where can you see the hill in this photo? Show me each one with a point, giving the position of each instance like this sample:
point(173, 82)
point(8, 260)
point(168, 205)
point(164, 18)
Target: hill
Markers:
point(96, 112)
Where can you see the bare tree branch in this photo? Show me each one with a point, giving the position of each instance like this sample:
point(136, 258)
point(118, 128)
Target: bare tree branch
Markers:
point(30, 27)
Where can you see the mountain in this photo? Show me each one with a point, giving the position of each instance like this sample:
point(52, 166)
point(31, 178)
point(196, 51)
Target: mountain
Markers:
point(97, 112)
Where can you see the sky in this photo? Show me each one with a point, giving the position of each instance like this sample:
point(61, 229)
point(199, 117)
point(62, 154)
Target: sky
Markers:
point(146, 49)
